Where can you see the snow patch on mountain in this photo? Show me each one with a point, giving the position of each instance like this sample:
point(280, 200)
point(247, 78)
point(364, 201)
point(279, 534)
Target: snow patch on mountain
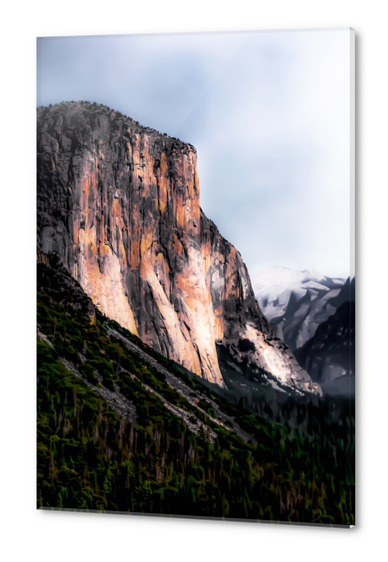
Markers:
point(296, 302)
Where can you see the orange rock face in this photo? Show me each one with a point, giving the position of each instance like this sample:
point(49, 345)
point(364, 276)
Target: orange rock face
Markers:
point(120, 205)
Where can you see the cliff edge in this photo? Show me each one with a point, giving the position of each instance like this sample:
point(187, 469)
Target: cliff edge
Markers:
point(119, 203)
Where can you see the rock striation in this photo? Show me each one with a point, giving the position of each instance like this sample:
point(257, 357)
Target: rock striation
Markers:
point(119, 204)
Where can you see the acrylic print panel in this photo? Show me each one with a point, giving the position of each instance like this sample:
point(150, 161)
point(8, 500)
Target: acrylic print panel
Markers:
point(195, 268)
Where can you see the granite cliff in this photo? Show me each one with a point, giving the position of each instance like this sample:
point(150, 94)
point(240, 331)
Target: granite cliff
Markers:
point(119, 204)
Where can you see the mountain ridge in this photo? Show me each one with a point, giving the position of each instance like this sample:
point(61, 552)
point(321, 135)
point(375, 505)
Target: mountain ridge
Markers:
point(297, 302)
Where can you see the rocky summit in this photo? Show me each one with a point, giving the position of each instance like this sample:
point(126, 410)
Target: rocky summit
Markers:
point(119, 204)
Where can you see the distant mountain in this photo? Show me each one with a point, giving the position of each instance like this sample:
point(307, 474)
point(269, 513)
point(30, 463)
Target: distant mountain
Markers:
point(329, 356)
point(297, 302)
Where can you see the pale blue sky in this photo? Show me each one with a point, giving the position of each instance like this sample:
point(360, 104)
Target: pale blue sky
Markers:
point(268, 113)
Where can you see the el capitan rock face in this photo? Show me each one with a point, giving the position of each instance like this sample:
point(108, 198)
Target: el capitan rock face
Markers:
point(120, 205)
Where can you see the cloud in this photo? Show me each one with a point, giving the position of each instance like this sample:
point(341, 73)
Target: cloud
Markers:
point(267, 111)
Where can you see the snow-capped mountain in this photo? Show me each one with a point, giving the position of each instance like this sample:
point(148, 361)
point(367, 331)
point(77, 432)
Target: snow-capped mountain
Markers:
point(297, 302)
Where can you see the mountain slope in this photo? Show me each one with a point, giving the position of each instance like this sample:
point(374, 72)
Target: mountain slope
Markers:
point(121, 428)
point(330, 354)
point(119, 203)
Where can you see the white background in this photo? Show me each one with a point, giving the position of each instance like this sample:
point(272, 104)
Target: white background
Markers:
point(28, 534)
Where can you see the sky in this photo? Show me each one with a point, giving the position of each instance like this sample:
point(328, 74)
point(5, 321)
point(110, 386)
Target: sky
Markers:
point(268, 112)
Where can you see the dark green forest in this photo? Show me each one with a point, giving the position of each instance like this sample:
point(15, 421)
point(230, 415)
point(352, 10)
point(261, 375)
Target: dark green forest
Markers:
point(114, 435)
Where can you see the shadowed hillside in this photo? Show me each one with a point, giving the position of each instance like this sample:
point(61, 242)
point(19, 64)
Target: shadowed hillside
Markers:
point(122, 428)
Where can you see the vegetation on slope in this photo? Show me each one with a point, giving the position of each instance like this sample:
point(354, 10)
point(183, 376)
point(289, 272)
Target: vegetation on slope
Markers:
point(155, 460)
